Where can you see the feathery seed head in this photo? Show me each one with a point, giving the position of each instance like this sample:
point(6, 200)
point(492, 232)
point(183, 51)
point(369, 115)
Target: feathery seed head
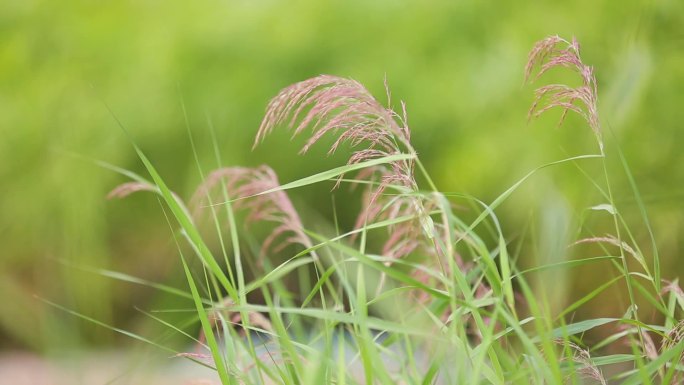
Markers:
point(245, 184)
point(583, 99)
point(343, 107)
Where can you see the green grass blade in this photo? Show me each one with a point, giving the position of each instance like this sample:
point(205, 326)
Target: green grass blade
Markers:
point(189, 229)
point(503, 196)
point(506, 281)
point(333, 173)
point(123, 277)
point(644, 216)
point(571, 263)
point(588, 297)
point(278, 272)
point(580, 327)
point(207, 327)
point(117, 330)
point(649, 369)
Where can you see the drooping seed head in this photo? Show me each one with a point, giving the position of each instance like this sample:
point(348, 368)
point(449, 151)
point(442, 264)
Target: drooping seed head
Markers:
point(583, 99)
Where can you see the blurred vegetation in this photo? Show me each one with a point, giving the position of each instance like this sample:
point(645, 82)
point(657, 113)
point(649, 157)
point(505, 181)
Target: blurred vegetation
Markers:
point(457, 64)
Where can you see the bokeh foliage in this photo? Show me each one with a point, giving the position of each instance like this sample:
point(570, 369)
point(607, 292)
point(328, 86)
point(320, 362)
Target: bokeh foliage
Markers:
point(457, 64)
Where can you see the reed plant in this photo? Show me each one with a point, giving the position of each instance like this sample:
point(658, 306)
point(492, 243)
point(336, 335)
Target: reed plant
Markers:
point(438, 299)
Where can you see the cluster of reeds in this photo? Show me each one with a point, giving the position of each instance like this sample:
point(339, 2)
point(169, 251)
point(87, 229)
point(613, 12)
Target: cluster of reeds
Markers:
point(470, 309)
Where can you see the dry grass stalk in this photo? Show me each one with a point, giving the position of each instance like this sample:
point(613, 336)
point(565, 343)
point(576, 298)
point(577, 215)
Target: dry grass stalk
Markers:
point(674, 336)
point(588, 369)
point(612, 241)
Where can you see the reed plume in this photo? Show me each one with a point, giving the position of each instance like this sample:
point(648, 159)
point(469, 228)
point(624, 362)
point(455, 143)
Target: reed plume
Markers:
point(343, 107)
point(246, 185)
point(554, 52)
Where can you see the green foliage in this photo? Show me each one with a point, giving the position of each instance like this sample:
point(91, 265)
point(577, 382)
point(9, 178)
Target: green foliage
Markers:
point(392, 307)
point(459, 66)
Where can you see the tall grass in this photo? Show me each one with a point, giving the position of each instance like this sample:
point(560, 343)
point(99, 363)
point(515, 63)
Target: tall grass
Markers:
point(440, 300)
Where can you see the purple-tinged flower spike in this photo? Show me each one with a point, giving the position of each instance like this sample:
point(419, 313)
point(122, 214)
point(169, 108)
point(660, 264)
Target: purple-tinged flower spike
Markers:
point(343, 107)
point(335, 103)
point(582, 99)
point(125, 189)
point(276, 207)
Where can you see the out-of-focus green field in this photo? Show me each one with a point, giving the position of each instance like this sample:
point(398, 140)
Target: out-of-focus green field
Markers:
point(458, 65)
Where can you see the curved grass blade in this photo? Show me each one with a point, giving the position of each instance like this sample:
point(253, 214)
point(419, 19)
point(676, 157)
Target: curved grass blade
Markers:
point(117, 330)
point(189, 229)
point(649, 369)
point(331, 174)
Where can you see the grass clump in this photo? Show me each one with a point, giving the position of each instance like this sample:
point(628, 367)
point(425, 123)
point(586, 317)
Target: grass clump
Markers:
point(439, 299)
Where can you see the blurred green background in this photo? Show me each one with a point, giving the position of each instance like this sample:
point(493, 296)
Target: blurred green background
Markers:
point(457, 64)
